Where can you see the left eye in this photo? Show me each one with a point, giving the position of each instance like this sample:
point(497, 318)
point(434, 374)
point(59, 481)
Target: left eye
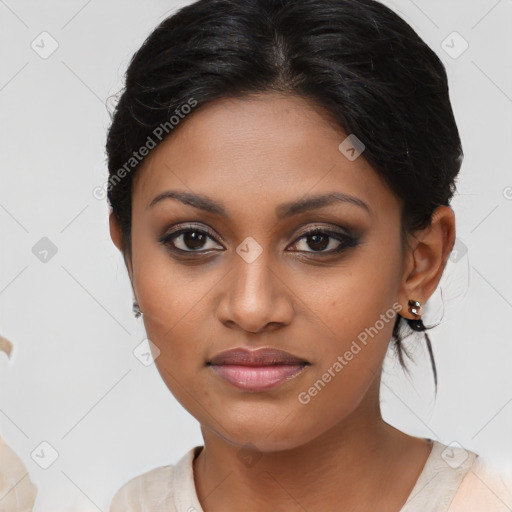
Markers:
point(319, 240)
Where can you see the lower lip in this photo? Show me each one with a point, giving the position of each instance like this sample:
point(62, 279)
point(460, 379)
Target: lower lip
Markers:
point(257, 378)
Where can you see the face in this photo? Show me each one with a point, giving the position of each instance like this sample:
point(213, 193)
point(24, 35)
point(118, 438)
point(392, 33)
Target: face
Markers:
point(279, 241)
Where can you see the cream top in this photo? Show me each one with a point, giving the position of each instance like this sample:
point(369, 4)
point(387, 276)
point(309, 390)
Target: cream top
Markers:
point(17, 492)
point(452, 480)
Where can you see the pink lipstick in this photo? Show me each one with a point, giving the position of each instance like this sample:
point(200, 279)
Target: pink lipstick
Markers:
point(256, 370)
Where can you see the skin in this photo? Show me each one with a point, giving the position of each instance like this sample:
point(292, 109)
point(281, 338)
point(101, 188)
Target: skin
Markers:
point(252, 154)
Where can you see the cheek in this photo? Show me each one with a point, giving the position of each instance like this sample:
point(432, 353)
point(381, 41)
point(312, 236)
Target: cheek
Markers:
point(351, 338)
point(168, 292)
point(352, 302)
point(354, 312)
point(172, 303)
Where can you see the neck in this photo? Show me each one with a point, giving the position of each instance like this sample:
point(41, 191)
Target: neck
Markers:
point(351, 466)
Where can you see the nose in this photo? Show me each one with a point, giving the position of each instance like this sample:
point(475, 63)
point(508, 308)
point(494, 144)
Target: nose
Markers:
point(254, 297)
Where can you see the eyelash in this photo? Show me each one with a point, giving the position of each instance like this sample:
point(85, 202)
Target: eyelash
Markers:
point(346, 241)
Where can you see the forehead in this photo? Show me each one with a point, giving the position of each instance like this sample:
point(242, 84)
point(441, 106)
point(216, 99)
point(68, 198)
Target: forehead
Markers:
point(263, 148)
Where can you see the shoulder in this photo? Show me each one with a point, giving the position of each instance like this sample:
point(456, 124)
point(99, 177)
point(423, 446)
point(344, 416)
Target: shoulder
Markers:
point(486, 486)
point(163, 489)
point(13, 474)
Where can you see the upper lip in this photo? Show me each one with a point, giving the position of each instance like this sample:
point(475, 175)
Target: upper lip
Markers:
point(259, 357)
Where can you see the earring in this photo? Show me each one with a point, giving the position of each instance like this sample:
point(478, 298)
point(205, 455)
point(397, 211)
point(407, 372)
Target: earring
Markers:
point(416, 323)
point(136, 311)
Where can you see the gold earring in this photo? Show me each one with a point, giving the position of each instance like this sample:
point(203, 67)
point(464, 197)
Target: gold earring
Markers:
point(414, 308)
point(415, 323)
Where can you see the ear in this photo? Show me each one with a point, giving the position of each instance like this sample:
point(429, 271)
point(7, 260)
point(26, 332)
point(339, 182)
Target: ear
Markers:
point(115, 232)
point(426, 260)
point(117, 237)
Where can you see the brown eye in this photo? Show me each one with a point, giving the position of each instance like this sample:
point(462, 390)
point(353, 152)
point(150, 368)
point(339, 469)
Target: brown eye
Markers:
point(318, 240)
point(194, 239)
point(189, 239)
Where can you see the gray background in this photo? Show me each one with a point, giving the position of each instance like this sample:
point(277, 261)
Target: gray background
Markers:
point(74, 381)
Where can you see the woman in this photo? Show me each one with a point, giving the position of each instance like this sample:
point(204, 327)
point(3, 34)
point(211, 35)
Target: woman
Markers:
point(280, 180)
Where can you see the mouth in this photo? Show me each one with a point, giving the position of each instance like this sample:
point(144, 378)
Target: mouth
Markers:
point(256, 370)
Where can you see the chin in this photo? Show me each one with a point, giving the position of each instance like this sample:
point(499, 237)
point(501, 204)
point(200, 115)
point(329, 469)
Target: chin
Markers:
point(266, 436)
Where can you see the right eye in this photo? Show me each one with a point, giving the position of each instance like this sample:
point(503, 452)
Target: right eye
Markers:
point(189, 239)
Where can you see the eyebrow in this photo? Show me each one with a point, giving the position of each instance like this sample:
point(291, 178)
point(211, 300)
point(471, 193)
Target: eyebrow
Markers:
point(284, 210)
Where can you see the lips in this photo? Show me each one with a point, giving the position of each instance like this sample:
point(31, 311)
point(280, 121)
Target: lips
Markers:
point(260, 357)
point(256, 370)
